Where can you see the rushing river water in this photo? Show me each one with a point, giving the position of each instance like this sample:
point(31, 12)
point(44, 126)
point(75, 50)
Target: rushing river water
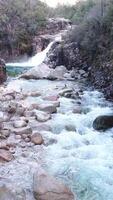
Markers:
point(81, 156)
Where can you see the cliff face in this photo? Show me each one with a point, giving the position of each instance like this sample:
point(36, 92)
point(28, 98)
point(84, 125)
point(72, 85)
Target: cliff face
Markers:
point(3, 75)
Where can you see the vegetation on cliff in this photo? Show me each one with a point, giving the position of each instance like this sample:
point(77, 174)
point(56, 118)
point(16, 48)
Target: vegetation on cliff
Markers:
point(19, 22)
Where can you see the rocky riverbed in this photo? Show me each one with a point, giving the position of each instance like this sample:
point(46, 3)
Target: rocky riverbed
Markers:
point(47, 133)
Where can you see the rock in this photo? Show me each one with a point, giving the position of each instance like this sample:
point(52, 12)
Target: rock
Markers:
point(5, 155)
point(3, 145)
point(10, 191)
point(70, 128)
point(42, 116)
point(77, 110)
point(20, 110)
point(51, 98)
point(43, 127)
point(57, 73)
point(34, 94)
point(3, 117)
point(65, 91)
point(46, 187)
point(3, 75)
point(4, 133)
point(19, 124)
point(24, 130)
point(29, 113)
point(81, 72)
point(37, 139)
point(49, 108)
point(103, 122)
point(40, 72)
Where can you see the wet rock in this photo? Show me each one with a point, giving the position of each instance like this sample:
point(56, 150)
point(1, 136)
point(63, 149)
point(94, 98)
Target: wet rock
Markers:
point(81, 72)
point(42, 116)
point(9, 191)
point(43, 71)
point(4, 133)
point(70, 127)
point(77, 110)
point(103, 122)
point(65, 91)
point(51, 98)
point(3, 75)
point(24, 130)
point(34, 94)
point(46, 187)
point(5, 155)
point(57, 73)
point(37, 139)
point(40, 72)
point(3, 145)
point(43, 127)
point(19, 124)
point(29, 113)
point(49, 108)
point(20, 110)
point(3, 117)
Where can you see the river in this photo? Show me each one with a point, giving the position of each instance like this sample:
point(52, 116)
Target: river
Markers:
point(81, 157)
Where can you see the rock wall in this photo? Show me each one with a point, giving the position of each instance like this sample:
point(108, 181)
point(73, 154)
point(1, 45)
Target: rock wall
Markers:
point(3, 75)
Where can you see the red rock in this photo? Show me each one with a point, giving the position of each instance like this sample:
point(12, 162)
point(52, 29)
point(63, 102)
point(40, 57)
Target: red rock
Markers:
point(37, 139)
point(5, 155)
point(46, 187)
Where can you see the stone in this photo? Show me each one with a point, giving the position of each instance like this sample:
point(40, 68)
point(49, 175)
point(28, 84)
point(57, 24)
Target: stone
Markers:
point(49, 108)
point(4, 133)
point(103, 122)
point(39, 72)
point(3, 117)
point(64, 91)
point(3, 75)
point(19, 124)
point(5, 156)
point(29, 113)
point(24, 130)
point(37, 139)
point(51, 98)
point(34, 94)
point(77, 110)
point(57, 73)
point(20, 110)
point(70, 128)
point(43, 127)
point(47, 187)
point(42, 116)
point(81, 72)
point(10, 191)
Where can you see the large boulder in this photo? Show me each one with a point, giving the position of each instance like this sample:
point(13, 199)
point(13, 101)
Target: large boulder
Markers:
point(43, 71)
point(103, 122)
point(46, 187)
point(3, 75)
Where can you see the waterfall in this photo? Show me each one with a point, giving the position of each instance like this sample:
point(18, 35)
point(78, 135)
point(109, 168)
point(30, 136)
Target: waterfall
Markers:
point(37, 59)
point(33, 61)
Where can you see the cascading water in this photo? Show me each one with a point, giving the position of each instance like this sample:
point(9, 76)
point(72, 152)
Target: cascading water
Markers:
point(37, 59)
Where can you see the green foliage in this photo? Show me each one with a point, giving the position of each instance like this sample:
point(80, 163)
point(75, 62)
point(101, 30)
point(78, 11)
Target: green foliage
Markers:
point(19, 22)
point(76, 13)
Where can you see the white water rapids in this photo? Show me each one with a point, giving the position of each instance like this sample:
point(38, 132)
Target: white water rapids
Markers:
point(83, 157)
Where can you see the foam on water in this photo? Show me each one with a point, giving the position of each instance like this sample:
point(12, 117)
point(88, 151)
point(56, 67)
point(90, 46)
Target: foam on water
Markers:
point(83, 158)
